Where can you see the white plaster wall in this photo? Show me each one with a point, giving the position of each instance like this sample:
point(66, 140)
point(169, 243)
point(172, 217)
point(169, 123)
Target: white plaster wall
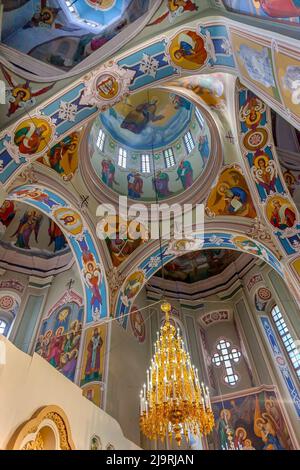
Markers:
point(28, 383)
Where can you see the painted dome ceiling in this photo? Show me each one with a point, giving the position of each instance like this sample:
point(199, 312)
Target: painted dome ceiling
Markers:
point(64, 32)
point(199, 265)
point(148, 144)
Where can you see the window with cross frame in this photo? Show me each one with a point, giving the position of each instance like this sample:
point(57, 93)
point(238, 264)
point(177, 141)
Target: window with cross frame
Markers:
point(226, 356)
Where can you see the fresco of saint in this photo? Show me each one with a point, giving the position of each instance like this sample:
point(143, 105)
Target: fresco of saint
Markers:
point(92, 367)
point(108, 173)
point(282, 215)
point(29, 138)
point(135, 185)
point(191, 49)
point(161, 184)
point(56, 236)
point(185, 174)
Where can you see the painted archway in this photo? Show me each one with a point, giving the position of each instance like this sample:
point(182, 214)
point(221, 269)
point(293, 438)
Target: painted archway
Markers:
point(80, 239)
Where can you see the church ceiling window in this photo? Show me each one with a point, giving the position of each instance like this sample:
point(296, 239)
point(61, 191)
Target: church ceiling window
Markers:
point(122, 158)
point(189, 142)
point(169, 157)
point(101, 140)
point(289, 344)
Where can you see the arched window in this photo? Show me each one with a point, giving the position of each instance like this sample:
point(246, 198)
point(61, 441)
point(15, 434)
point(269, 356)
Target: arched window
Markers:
point(122, 158)
point(169, 157)
point(100, 140)
point(189, 142)
point(145, 163)
point(3, 327)
point(287, 340)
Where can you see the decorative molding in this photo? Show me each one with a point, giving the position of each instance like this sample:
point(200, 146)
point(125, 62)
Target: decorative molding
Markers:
point(29, 436)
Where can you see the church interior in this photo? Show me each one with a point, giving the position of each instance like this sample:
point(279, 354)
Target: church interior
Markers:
point(109, 341)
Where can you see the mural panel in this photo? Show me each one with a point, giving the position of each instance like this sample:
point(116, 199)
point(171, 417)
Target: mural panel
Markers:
point(60, 333)
point(231, 195)
point(255, 422)
point(274, 10)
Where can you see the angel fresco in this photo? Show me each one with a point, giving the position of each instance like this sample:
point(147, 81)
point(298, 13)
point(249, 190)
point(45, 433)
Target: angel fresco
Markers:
point(175, 8)
point(138, 118)
point(30, 222)
point(264, 172)
point(20, 95)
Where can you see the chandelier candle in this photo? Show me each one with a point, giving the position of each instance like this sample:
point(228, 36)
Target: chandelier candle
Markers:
point(173, 402)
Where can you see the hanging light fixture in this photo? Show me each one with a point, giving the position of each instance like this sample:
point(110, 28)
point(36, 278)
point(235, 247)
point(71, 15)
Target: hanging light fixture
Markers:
point(173, 402)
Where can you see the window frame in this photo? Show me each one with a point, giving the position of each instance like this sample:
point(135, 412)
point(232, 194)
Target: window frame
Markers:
point(168, 157)
point(200, 118)
point(101, 140)
point(287, 332)
point(189, 142)
point(122, 158)
point(145, 163)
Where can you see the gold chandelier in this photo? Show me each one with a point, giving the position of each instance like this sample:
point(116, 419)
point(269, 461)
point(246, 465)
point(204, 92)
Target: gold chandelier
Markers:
point(173, 401)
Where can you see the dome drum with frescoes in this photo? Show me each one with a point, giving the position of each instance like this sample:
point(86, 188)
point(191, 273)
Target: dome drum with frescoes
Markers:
point(150, 145)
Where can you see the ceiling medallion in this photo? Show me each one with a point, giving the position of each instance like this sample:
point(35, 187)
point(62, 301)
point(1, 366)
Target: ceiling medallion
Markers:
point(106, 86)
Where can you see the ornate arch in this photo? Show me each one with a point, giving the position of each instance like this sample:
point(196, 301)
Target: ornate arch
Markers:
point(79, 235)
point(213, 238)
point(47, 429)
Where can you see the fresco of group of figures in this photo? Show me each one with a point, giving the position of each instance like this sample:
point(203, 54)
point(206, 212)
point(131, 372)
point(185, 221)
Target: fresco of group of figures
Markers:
point(45, 31)
point(29, 229)
point(254, 422)
point(59, 338)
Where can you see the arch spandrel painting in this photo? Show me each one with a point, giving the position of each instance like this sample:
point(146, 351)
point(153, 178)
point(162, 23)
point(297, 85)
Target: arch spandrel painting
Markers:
point(287, 11)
